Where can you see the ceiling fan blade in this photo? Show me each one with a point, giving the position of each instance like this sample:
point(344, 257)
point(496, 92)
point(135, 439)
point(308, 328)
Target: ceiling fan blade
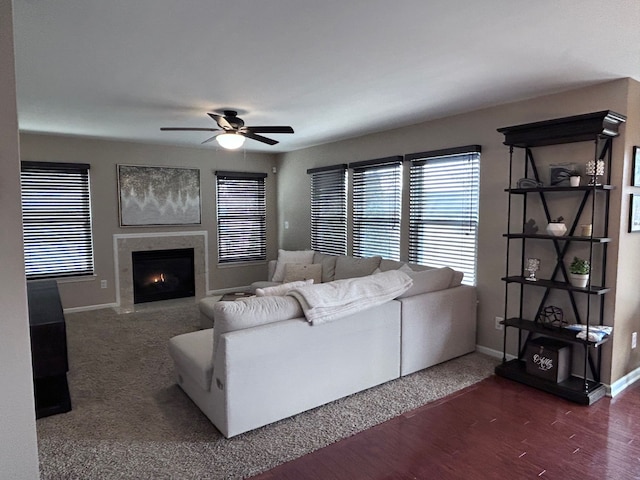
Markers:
point(259, 138)
point(210, 139)
point(278, 129)
point(221, 121)
point(189, 129)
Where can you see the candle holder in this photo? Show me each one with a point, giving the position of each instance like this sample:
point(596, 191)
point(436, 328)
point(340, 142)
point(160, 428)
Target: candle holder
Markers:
point(595, 169)
point(533, 265)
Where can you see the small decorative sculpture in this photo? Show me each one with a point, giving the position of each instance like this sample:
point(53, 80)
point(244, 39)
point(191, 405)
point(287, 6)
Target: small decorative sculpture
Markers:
point(528, 183)
point(551, 316)
point(533, 264)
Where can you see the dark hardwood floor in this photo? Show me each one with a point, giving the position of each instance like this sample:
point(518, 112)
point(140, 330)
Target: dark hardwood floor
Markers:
point(496, 429)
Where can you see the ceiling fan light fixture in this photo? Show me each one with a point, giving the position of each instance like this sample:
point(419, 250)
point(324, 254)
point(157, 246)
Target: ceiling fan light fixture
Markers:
point(230, 141)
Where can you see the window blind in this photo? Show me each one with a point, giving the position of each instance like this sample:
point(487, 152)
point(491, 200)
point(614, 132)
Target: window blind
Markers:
point(241, 206)
point(56, 216)
point(443, 209)
point(377, 203)
point(329, 209)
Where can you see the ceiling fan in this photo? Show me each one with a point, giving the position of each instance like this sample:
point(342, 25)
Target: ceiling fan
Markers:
point(233, 131)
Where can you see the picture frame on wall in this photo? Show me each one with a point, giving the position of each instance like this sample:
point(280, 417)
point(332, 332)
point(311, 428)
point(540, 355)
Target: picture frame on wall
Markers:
point(634, 213)
point(151, 196)
point(635, 173)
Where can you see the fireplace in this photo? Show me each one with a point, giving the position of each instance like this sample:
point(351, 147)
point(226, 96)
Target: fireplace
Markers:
point(163, 274)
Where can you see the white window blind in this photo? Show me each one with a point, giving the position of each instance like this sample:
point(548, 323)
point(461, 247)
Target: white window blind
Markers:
point(377, 204)
point(443, 209)
point(56, 216)
point(329, 209)
point(241, 205)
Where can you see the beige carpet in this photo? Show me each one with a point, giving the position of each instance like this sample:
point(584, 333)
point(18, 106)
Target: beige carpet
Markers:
point(130, 420)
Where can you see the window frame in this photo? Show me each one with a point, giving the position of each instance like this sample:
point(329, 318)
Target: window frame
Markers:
point(425, 170)
point(56, 219)
point(377, 207)
point(237, 218)
point(329, 214)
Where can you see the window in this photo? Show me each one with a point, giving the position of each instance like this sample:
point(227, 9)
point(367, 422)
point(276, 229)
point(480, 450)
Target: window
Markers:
point(241, 205)
point(329, 209)
point(377, 203)
point(443, 209)
point(56, 217)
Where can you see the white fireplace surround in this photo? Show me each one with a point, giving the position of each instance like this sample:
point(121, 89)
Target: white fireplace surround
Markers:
point(125, 244)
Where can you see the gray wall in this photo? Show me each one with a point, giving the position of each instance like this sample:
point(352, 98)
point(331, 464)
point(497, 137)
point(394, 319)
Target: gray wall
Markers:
point(18, 448)
point(104, 156)
point(479, 127)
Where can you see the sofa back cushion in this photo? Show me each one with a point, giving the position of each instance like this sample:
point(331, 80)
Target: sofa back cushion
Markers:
point(290, 256)
point(294, 272)
point(251, 312)
point(328, 263)
point(427, 281)
point(352, 267)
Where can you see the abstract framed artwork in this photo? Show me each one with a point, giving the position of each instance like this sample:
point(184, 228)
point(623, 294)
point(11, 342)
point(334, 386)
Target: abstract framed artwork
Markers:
point(635, 173)
point(634, 213)
point(150, 196)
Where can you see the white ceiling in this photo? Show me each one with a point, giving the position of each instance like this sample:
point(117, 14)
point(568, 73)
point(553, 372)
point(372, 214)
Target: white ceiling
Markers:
point(332, 69)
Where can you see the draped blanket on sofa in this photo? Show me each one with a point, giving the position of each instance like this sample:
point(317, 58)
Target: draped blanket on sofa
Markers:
point(325, 302)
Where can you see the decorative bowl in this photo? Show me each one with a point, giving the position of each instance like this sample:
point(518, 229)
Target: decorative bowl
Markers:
point(556, 229)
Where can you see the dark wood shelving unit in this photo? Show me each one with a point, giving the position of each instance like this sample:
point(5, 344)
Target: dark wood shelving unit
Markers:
point(599, 128)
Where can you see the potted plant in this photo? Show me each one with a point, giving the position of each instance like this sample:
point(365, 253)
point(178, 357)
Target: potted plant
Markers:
point(574, 178)
point(579, 272)
point(557, 227)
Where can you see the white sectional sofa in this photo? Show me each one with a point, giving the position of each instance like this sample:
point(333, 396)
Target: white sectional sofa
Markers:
point(264, 361)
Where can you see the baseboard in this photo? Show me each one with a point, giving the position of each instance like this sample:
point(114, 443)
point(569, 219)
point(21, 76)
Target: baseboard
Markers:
point(90, 307)
point(493, 353)
point(621, 384)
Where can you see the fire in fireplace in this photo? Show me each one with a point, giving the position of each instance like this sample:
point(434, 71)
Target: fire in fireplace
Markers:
point(163, 274)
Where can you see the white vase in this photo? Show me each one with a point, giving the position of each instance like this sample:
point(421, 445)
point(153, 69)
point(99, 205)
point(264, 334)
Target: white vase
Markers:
point(574, 181)
point(556, 229)
point(578, 280)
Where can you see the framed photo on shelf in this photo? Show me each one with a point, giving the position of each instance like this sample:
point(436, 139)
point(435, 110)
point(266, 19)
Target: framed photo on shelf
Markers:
point(634, 213)
point(635, 173)
point(151, 196)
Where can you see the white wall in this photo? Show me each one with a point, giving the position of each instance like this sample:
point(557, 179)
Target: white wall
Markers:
point(479, 127)
point(18, 447)
point(104, 156)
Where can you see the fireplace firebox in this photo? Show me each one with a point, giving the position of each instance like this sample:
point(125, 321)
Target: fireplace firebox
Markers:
point(163, 274)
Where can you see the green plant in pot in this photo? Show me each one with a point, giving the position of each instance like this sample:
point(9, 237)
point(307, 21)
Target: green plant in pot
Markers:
point(579, 272)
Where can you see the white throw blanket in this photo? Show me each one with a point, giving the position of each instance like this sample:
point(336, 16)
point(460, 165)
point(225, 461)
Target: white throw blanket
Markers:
point(325, 302)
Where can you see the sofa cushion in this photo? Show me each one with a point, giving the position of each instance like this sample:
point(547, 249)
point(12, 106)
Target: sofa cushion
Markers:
point(297, 271)
point(290, 256)
point(352, 267)
point(193, 354)
point(328, 263)
point(279, 290)
point(251, 312)
point(427, 281)
point(456, 279)
point(386, 265)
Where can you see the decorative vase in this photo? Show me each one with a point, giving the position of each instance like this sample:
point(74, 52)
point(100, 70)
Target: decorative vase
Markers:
point(578, 280)
point(556, 229)
point(574, 181)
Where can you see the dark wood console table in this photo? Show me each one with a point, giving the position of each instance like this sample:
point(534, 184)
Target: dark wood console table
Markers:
point(48, 348)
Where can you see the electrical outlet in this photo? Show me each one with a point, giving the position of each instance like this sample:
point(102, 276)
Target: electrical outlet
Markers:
point(103, 284)
point(499, 326)
point(634, 339)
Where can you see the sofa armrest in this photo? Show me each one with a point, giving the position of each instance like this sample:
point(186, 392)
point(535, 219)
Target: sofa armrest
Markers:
point(437, 326)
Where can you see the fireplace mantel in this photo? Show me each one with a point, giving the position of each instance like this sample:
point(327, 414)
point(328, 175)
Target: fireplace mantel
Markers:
point(125, 244)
